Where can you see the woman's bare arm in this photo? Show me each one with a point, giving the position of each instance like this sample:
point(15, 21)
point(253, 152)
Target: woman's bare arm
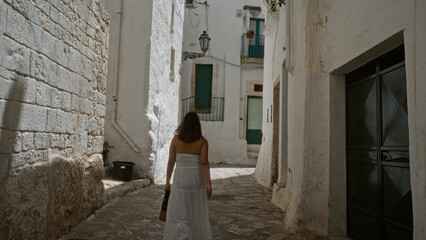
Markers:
point(171, 163)
point(205, 167)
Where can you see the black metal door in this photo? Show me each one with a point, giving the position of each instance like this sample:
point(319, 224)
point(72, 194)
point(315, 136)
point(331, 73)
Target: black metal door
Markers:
point(379, 204)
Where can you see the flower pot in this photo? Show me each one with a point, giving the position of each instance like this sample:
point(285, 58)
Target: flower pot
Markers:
point(249, 35)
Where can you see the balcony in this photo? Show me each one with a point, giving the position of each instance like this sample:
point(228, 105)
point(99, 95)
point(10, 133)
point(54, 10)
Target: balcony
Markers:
point(252, 49)
point(208, 108)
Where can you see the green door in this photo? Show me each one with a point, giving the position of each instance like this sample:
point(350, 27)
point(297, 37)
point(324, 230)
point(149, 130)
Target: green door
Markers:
point(254, 120)
point(257, 42)
point(203, 86)
point(379, 204)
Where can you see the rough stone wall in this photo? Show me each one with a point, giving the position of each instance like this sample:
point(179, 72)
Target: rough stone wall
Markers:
point(163, 101)
point(53, 60)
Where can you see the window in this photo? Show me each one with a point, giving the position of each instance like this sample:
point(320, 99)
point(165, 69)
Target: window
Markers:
point(203, 86)
point(258, 88)
point(172, 65)
point(172, 21)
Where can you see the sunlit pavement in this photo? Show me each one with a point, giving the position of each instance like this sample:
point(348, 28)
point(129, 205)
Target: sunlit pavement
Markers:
point(239, 209)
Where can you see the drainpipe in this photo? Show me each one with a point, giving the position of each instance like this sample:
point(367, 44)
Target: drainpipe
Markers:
point(288, 36)
point(115, 83)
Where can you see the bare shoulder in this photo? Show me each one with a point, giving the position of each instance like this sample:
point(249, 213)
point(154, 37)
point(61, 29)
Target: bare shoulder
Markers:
point(174, 140)
point(204, 141)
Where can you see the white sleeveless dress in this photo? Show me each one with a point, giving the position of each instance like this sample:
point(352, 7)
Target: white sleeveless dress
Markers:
point(187, 210)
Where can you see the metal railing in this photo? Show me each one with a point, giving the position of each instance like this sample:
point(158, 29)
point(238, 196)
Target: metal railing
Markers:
point(208, 109)
point(252, 47)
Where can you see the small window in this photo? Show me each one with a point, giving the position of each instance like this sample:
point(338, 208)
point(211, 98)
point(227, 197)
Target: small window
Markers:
point(172, 65)
point(258, 88)
point(172, 21)
point(190, 3)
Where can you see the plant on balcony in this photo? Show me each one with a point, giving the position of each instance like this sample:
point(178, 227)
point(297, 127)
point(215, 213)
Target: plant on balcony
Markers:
point(249, 33)
point(274, 4)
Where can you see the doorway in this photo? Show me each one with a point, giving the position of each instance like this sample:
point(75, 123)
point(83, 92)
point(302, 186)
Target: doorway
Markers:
point(254, 120)
point(276, 131)
point(379, 204)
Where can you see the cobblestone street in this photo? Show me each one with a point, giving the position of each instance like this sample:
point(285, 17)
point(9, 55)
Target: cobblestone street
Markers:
point(239, 209)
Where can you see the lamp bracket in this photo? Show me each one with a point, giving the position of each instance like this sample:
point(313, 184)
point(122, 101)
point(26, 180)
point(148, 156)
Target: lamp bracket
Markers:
point(192, 55)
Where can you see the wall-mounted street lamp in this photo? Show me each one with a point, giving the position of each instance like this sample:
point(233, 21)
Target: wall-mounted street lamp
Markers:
point(204, 44)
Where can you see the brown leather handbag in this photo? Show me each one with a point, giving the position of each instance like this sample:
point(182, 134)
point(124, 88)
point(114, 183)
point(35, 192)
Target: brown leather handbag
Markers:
point(163, 211)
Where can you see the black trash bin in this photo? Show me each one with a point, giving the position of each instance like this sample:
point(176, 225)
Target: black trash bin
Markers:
point(122, 170)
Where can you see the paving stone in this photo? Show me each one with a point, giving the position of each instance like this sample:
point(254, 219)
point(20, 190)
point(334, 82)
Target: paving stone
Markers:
point(239, 209)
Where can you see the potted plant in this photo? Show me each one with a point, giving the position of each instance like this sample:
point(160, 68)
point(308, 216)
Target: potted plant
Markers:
point(249, 33)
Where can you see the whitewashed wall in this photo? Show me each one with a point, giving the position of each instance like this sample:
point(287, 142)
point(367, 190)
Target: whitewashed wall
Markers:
point(226, 141)
point(53, 61)
point(330, 38)
point(146, 94)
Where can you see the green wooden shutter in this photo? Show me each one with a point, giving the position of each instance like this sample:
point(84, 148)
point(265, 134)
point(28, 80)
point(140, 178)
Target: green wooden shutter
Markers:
point(203, 86)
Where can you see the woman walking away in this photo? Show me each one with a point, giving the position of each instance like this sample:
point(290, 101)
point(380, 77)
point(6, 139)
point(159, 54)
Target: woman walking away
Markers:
point(187, 210)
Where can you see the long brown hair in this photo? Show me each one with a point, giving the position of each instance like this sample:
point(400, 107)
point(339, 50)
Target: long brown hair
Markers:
point(190, 128)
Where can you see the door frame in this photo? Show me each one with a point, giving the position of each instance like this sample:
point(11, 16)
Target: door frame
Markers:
point(337, 225)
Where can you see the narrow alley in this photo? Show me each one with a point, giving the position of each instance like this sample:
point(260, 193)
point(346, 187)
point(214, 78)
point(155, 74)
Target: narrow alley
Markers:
point(239, 209)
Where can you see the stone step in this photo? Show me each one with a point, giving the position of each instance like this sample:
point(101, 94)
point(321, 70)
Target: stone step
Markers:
point(115, 188)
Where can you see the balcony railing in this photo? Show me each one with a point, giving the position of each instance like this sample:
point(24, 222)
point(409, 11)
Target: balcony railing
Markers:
point(252, 47)
point(208, 109)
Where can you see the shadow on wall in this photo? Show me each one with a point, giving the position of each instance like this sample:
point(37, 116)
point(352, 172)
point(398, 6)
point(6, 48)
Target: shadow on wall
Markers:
point(8, 142)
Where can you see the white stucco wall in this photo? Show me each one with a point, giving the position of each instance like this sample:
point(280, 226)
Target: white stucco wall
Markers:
point(331, 38)
point(146, 94)
point(226, 140)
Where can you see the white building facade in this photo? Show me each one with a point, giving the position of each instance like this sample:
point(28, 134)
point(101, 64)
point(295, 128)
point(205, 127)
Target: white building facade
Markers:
point(143, 83)
point(344, 82)
point(221, 86)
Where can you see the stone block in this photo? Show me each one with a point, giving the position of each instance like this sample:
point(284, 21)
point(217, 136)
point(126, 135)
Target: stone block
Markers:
point(6, 144)
point(27, 202)
point(54, 15)
point(99, 143)
point(43, 5)
point(82, 141)
point(84, 88)
point(87, 68)
point(62, 52)
point(93, 125)
point(28, 10)
point(27, 140)
point(41, 140)
point(66, 101)
point(56, 98)
point(27, 117)
point(25, 90)
point(14, 56)
point(28, 157)
point(65, 122)
point(6, 89)
point(3, 112)
point(86, 107)
point(69, 141)
point(3, 14)
point(101, 126)
point(15, 142)
point(75, 103)
point(58, 4)
point(51, 120)
point(67, 80)
point(56, 141)
point(25, 32)
point(100, 110)
point(75, 60)
point(43, 94)
point(48, 45)
point(93, 189)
